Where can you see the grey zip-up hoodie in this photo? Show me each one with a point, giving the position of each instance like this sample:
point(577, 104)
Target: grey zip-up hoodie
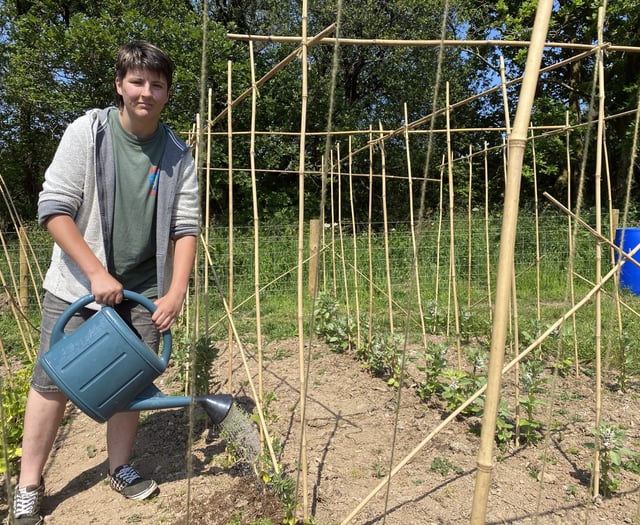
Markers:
point(80, 182)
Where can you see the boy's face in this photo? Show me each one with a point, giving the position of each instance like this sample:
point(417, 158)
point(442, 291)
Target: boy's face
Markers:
point(145, 93)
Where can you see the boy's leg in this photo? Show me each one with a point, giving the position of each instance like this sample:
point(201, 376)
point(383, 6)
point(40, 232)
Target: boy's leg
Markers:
point(45, 403)
point(42, 418)
point(121, 434)
point(122, 427)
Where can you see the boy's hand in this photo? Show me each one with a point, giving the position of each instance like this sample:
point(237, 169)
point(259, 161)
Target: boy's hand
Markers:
point(168, 308)
point(106, 289)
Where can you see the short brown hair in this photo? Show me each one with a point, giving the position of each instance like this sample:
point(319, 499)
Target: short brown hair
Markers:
point(145, 56)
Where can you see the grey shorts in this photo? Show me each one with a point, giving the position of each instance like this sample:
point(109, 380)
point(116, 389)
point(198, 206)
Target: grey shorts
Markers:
point(134, 314)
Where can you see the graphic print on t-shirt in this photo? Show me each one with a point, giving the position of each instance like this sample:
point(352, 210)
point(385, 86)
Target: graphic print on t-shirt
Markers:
point(154, 176)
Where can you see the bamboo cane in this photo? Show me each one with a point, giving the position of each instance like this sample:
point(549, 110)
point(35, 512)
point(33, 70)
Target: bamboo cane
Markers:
point(382, 42)
point(486, 233)
point(345, 283)
point(570, 237)
point(414, 243)
point(354, 238)
point(469, 227)
point(256, 225)
point(369, 237)
point(230, 274)
point(334, 272)
point(323, 205)
point(207, 214)
point(514, 319)
point(536, 215)
point(385, 223)
point(303, 466)
point(595, 483)
point(453, 415)
point(452, 239)
point(613, 222)
point(197, 156)
point(436, 310)
point(517, 143)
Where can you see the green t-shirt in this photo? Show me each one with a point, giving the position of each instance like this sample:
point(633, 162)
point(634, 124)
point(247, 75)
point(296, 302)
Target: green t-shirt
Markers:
point(133, 255)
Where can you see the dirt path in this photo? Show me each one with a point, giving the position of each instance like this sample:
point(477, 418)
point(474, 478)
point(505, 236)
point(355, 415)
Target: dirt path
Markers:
point(352, 423)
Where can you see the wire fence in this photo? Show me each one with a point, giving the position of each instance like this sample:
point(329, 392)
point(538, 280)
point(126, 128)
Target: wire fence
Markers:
point(353, 256)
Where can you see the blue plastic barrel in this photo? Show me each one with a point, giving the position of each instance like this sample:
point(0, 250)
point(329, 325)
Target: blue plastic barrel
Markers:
point(627, 239)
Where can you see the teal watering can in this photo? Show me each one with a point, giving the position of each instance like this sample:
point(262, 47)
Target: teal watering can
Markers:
point(103, 367)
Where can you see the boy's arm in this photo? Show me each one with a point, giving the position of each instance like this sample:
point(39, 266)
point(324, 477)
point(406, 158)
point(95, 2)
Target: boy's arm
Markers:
point(170, 304)
point(104, 287)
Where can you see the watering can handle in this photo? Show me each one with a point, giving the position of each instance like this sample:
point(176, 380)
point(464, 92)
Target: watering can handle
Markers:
point(58, 329)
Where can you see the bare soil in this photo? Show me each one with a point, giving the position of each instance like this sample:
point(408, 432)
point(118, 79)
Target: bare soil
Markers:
point(354, 432)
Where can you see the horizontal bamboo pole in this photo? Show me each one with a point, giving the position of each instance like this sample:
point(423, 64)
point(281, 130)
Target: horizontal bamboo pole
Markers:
point(384, 42)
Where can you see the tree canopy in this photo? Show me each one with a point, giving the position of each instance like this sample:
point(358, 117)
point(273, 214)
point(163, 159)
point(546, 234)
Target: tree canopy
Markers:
point(57, 61)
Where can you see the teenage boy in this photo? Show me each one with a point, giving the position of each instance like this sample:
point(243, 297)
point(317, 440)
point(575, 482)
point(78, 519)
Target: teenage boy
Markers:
point(120, 200)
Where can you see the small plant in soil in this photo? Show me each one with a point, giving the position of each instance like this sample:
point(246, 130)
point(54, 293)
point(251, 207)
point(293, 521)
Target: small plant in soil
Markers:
point(444, 466)
point(456, 387)
point(332, 325)
point(435, 362)
point(532, 383)
point(378, 469)
point(611, 443)
point(383, 357)
point(193, 359)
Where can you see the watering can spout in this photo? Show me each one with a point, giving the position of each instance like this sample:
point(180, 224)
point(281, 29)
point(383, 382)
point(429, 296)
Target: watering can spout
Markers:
point(216, 406)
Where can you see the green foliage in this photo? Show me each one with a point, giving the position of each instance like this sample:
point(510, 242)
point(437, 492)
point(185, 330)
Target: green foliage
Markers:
point(336, 328)
point(435, 362)
point(457, 387)
point(14, 398)
point(193, 360)
point(443, 466)
point(383, 357)
point(610, 441)
point(532, 383)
